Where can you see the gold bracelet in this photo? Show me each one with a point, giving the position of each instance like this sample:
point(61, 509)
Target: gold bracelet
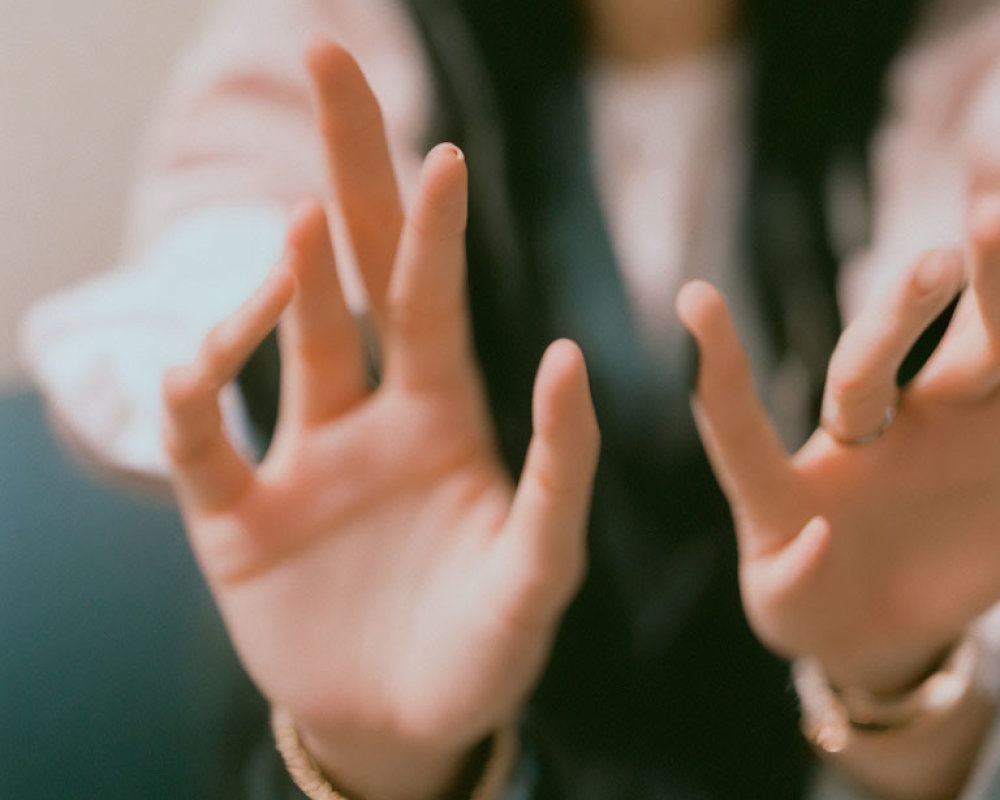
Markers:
point(310, 779)
point(831, 716)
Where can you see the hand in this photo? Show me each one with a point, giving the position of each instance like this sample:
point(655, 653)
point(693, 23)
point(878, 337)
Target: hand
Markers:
point(378, 573)
point(872, 556)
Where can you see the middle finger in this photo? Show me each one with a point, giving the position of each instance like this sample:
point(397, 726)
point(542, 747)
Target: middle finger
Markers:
point(357, 151)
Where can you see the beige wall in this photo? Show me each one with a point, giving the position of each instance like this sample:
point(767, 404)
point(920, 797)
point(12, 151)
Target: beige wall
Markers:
point(77, 80)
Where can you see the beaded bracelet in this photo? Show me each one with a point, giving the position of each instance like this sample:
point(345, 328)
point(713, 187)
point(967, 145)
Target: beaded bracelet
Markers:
point(308, 777)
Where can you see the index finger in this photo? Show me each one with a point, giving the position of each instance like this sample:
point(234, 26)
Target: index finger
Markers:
point(208, 472)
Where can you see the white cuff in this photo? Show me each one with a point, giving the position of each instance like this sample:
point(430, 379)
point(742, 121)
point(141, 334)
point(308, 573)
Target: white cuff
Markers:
point(98, 350)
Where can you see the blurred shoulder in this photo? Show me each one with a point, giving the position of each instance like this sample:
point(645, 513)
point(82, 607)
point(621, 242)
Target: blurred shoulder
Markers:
point(381, 34)
point(941, 126)
point(954, 57)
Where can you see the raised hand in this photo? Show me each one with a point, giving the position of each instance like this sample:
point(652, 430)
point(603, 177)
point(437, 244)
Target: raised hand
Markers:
point(874, 546)
point(380, 576)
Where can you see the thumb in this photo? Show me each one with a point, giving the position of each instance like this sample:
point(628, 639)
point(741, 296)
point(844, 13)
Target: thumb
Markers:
point(544, 538)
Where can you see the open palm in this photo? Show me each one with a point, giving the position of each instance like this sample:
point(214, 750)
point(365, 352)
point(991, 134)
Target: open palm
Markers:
point(871, 553)
point(378, 572)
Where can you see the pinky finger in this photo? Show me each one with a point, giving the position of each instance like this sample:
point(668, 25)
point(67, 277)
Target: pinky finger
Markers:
point(208, 472)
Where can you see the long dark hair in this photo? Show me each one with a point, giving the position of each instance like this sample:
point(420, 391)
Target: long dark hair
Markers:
point(820, 72)
point(819, 78)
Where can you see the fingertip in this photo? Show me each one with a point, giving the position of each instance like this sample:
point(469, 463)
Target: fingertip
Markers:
point(703, 311)
point(342, 98)
point(447, 151)
point(984, 221)
point(685, 301)
point(564, 357)
point(445, 164)
point(698, 303)
point(561, 367)
point(307, 226)
point(442, 204)
point(304, 217)
point(326, 58)
point(562, 398)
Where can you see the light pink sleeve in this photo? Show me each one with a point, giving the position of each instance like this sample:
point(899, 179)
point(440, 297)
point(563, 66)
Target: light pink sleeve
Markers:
point(232, 146)
point(236, 124)
point(941, 138)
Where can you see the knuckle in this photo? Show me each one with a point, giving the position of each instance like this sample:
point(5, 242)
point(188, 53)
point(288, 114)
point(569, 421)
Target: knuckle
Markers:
point(846, 384)
point(561, 481)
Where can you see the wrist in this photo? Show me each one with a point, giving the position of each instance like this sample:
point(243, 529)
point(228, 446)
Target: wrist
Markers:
point(834, 714)
point(381, 767)
point(916, 744)
point(887, 674)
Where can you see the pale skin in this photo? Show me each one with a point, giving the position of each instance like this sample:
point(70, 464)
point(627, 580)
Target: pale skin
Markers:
point(380, 575)
point(386, 582)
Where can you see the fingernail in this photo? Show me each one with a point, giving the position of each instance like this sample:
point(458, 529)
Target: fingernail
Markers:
point(691, 364)
point(456, 152)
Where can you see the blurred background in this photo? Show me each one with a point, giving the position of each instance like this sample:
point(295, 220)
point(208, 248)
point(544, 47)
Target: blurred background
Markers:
point(116, 680)
point(77, 81)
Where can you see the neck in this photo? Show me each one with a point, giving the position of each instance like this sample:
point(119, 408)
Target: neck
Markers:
point(651, 32)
